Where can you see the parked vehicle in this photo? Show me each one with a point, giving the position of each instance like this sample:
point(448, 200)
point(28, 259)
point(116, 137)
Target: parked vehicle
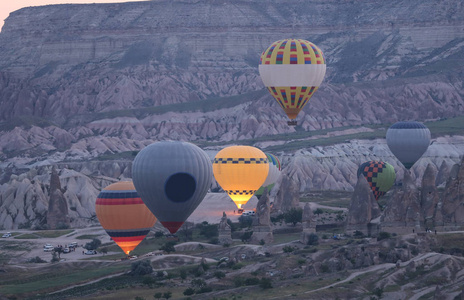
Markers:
point(49, 248)
point(66, 250)
point(6, 235)
point(90, 252)
point(248, 213)
point(72, 245)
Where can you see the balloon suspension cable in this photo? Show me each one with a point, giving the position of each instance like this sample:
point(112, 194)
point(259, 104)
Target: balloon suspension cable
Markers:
point(292, 123)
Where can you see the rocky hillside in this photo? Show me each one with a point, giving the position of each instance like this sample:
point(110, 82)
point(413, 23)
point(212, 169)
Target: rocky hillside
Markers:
point(85, 87)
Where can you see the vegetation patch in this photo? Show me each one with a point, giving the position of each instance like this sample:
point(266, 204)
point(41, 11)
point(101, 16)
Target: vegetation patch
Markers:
point(53, 233)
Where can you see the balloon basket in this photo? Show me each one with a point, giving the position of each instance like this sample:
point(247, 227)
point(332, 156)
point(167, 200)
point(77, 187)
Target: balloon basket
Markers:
point(292, 123)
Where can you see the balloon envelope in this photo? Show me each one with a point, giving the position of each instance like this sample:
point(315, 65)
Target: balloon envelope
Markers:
point(408, 141)
point(272, 176)
point(240, 171)
point(123, 215)
point(292, 70)
point(380, 176)
point(172, 178)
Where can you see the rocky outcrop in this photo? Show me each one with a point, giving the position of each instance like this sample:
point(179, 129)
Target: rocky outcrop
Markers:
point(429, 197)
point(225, 232)
point(308, 221)
point(363, 208)
point(453, 198)
point(57, 214)
point(261, 228)
point(403, 209)
point(288, 196)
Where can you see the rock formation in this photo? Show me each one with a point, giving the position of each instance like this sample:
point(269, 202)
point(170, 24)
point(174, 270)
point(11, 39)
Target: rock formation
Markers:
point(308, 221)
point(363, 209)
point(403, 209)
point(288, 196)
point(429, 197)
point(262, 227)
point(453, 198)
point(57, 214)
point(225, 232)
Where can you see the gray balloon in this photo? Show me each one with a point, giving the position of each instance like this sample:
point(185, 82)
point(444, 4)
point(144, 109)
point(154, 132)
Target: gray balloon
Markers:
point(172, 178)
point(408, 141)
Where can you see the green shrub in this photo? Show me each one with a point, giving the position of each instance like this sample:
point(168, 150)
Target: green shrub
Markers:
point(265, 283)
point(252, 281)
point(140, 268)
point(383, 235)
point(189, 291)
point(219, 274)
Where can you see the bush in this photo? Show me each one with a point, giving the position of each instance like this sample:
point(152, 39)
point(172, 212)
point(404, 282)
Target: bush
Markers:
point(219, 274)
point(252, 281)
point(93, 245)
point(313, 239)
point(245, 237)
point(183, 273)
point(383, 235)
point(293, 216)
point(262, 242)
point(140, 268)
point(36, 260)
point(288, 249)
point(189, 291)
point(208, 230)
point(158, 295)
point(159, 234)
point(168, 247)
point(245, 221)
point(239, 281)
point(265, 283)
point(358, 234)
point(62, 225)
point(237, 266)
point(205, 289)
point(318, 211)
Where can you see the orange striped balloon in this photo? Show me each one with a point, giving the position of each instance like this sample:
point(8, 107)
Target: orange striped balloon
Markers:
point(123, 215)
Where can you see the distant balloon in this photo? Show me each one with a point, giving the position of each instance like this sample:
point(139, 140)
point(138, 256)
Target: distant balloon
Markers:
point(272, 176)
point(123, 215)
point(240, 171)
point(380, 176)
point(408, 141)
point(172, 178)
point(292, 70)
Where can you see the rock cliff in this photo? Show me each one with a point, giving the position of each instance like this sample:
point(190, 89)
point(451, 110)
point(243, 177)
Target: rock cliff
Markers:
point(85, 87)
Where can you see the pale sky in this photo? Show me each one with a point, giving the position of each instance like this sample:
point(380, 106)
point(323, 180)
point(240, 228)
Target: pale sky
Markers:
point(7, 6)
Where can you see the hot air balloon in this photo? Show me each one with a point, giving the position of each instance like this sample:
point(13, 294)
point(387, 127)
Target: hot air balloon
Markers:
point(380, 176)
point(240, 171)
point(123, 215)
point(172, 178)
point(408, 141)
point(292, 70)
point(272, 176)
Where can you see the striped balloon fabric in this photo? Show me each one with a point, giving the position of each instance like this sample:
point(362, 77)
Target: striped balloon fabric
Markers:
point(123, 215)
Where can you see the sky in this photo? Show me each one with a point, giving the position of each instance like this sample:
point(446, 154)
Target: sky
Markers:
point(7, 6)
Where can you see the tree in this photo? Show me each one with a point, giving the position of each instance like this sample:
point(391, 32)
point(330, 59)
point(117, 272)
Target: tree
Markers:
point(245, 221)
point(104, 250)
point(58, 250)
point(168, 247)
point(187, 231)
point(208, 230)
point(93, 245)
point(167, 295)
point(318, 211)
point(158, 295)
point(313, 239)
point(140, 268)
point(293, 216)
point(265, 283)
point(246, 236)
point(159, 234)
